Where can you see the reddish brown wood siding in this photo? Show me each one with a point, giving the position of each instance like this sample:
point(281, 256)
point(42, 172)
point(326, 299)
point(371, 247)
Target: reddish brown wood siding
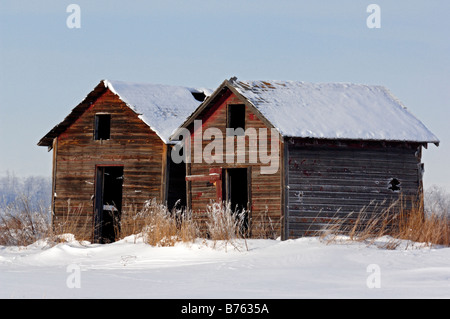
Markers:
point(132, 145)
point(265, 189)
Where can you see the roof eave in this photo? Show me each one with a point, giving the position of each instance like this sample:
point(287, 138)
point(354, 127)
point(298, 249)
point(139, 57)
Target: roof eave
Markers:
point(76, 112)
point(229, 85)
point(197, 111)
point(423, 143)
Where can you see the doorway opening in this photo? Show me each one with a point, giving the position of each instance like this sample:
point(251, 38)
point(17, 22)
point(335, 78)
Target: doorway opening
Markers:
point(176, 197)
point(235, 190)
point(108, 203)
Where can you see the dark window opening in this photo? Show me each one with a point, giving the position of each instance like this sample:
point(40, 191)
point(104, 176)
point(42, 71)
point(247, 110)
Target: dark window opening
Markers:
point(199, 96)
point(235, 119)
point(102, 130)
point(394, 185)
point(235, 191)
point(108, 203)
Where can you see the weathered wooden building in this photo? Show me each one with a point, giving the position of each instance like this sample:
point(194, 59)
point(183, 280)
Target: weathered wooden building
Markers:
point(337, 148)
point(113, 150)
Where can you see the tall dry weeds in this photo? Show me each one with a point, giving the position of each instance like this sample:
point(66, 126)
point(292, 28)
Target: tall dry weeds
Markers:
point(263, 227)
point(74, 221)
point(429, 228)
point(398, 222)
point(159, 226)
point(226, 226)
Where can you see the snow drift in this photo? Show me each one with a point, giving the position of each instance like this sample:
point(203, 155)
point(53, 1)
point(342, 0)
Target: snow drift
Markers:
point(259, 268)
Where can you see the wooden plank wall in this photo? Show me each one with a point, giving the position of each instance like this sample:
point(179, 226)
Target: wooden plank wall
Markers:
point(266, 189)
point(332, 179)
point(132, 145)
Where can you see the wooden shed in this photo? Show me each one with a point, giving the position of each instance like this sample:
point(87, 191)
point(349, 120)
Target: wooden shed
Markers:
point(113, 150)
point(338, 148)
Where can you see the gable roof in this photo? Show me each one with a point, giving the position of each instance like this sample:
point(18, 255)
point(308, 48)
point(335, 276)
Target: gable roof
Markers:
point(328, 110)
point(162, 107)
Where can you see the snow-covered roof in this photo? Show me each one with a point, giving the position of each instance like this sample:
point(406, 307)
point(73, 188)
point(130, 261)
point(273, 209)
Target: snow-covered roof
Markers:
point(162, 107)
point(333, 110)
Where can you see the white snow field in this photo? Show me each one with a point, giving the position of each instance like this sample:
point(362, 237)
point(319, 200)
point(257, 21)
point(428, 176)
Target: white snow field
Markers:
point(266, 269)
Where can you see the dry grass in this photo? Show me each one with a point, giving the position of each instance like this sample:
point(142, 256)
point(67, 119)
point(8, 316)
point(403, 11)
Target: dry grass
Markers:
point(431, 229)
point(165, 228)
point(75, 222)
point(398, 222)
point(21, 225)
point(159, 226)
point(264, 227)
point(223, 223)
point(225, 226)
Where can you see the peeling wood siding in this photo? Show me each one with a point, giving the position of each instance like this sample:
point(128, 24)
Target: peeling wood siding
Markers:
point(132, 145)
point(335, 179)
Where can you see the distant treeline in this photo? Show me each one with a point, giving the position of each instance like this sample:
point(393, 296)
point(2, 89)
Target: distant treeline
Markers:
point(36, 189)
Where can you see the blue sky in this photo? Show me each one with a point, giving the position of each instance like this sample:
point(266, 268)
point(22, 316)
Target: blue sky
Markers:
point(46, 68)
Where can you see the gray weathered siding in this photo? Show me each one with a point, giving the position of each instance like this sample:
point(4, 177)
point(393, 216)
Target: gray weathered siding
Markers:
point(333, 179)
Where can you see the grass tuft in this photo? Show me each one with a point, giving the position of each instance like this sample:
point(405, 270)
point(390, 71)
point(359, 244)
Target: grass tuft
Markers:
point(396, 222)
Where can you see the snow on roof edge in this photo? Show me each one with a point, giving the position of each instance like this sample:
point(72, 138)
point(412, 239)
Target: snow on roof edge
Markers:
point(435, 139)
point(137, 108)
point(110, 86)
point(255, 93)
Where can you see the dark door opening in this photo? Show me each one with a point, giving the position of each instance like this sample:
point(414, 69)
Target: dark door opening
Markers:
point(176, 198)
point(236, 191)
point(108, 203)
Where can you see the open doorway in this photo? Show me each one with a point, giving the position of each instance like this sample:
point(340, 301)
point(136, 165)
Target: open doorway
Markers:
point(108, 203)
point(235, 190)
point(176, 197)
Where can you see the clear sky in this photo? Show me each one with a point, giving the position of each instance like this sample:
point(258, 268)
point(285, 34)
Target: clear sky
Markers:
point(46, 68)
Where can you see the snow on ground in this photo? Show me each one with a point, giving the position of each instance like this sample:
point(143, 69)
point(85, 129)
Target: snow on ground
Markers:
point(268, 269)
